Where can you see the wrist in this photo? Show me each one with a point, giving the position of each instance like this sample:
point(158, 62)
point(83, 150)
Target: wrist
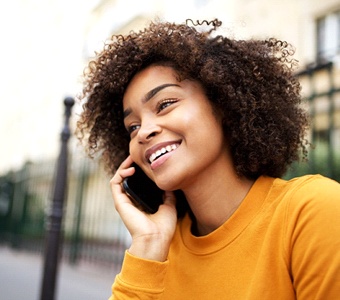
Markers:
point(150, 248)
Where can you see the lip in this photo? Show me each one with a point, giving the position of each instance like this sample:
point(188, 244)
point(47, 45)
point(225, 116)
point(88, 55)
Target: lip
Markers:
point(159, 146)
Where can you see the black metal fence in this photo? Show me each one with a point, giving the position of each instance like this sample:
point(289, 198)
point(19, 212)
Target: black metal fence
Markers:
point(92, 229)
point(321, 90)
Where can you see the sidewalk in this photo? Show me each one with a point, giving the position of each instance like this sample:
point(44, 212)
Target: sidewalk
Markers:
point(21, 274)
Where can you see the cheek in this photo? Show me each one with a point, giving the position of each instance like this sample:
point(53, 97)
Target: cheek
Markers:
point(188, 118)
point(133, 150)
point(201, 119)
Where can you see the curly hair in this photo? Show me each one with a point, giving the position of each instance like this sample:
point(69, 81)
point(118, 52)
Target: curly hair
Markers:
point(251, 82)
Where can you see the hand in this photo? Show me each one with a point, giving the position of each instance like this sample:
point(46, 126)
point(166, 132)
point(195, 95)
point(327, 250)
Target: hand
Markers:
point(151, 234)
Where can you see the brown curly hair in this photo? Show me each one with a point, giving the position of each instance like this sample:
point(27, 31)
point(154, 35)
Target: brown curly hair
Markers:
point(251, 82)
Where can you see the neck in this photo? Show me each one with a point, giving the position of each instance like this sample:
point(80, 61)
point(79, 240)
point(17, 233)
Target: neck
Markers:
point(213, 199)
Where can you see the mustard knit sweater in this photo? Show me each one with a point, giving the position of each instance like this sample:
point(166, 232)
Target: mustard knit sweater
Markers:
point(283, 242)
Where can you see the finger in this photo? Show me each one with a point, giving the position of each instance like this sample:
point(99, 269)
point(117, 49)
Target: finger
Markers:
point(123, 171)
point(127, 162)
point(117, 190)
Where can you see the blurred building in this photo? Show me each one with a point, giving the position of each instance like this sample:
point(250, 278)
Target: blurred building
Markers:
point(312, 26)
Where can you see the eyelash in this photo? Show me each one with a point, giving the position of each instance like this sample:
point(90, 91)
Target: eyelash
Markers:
point(132, 128)
point(166, 102)
point(160, 106)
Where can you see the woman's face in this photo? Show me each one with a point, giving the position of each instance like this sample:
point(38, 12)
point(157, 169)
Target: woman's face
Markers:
point(175, 136)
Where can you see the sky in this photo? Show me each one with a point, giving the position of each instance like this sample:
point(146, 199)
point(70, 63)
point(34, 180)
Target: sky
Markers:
point(41, 63)
point(42, 54)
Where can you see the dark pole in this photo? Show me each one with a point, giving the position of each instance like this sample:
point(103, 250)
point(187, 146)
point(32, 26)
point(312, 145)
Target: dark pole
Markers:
point(53, 239)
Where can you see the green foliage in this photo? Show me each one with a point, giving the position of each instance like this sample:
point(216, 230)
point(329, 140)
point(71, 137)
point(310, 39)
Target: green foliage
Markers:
point(322, 159)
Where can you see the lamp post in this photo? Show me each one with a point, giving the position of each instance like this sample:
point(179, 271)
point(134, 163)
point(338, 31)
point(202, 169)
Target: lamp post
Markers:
point(55, 215)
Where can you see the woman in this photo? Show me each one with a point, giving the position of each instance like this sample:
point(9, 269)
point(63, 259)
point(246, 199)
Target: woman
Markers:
point(225, 116)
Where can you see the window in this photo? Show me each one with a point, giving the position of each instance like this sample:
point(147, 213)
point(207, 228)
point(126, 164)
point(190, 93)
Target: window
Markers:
point(328, 37)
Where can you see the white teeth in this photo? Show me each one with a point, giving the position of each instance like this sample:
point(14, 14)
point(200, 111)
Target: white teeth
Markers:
point(152, 157)
point(159, 152)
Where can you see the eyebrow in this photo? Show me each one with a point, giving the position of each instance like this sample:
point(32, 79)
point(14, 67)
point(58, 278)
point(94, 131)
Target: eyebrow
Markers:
point(149, 95)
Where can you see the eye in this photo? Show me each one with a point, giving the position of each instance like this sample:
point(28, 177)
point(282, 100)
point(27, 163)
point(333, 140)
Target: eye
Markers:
point(164, 104)
point(132, 128)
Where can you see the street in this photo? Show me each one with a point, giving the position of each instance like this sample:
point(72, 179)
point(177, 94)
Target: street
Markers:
point(21, 273)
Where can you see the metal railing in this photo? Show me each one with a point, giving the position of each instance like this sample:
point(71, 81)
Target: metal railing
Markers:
point(321, 90)
point(91, 227)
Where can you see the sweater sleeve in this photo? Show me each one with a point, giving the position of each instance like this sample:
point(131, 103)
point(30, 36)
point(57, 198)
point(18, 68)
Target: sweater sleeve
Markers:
point(315, 239)
point(139, 279)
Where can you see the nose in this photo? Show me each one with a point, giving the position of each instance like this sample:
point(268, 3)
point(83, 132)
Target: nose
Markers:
point(147, 131)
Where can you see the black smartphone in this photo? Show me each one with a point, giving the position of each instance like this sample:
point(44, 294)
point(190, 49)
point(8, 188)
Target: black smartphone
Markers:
point(143, 191)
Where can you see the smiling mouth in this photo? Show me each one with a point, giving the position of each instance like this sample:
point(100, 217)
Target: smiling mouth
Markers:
point(162, 151)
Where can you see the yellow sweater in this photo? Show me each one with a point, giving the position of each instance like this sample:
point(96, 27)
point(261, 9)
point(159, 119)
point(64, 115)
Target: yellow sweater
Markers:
point(283, 242)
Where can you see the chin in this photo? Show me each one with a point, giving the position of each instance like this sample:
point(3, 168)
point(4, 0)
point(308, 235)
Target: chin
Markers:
point(167, 185)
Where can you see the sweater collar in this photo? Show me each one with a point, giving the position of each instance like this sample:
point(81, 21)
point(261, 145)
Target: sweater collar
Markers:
point(233, 227)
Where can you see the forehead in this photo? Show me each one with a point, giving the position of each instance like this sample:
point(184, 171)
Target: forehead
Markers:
point(149, 78)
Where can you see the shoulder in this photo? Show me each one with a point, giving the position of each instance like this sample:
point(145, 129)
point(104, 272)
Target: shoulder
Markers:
point(312, 180)
point(309, 201)
point(312, 234)
point(312, 201)
point(315, 188)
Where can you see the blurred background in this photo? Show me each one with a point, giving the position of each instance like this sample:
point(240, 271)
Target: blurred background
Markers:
point(45, 45)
